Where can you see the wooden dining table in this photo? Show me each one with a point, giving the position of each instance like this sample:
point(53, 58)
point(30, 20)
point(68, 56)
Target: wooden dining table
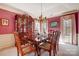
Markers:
point(37, 41)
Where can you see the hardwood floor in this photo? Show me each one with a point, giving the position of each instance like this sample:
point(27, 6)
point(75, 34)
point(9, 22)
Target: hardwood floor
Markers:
point(64, 50)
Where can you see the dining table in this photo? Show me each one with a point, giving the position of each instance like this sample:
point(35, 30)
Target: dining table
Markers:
point(38, 40)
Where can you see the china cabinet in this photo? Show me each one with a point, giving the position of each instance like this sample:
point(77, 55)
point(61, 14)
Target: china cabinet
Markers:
point(24, 25)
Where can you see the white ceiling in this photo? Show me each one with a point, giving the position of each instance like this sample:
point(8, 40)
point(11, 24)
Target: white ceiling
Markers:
point(48, 9)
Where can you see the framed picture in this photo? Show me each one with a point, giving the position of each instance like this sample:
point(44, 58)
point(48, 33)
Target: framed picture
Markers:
point(5, 22)
point(54, 24)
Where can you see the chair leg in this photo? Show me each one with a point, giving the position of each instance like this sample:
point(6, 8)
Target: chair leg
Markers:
point(49, 53)
point(35, 53)
point(54, 54)
point(57, 47)
point(17, 53)
point(39, 51)
point(54, 50)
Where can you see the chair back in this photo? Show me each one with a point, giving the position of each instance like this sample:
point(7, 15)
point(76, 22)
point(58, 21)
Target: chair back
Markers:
point(56, 35)
point(50, 37)
point(17, 39)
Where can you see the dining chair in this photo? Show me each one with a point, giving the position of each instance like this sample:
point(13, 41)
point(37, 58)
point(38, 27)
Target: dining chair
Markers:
point(56, 36)
point(23, 49)
point(46, 45)
point(50, 43)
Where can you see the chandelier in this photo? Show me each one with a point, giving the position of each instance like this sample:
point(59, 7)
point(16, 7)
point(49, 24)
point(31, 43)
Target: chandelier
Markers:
point(41, 16)
point(41, 19)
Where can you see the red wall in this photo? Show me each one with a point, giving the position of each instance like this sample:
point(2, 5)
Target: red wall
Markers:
point(57, 19)
point(11, 17)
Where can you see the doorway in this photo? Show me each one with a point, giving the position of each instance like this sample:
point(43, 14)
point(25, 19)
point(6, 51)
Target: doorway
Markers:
point(68, 29)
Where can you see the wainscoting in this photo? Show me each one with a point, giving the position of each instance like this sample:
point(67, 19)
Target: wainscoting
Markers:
point(6, 40)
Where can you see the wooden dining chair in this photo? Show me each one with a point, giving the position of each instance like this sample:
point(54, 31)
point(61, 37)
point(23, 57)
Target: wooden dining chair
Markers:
point(50, 43)
point(46, 45)
point(56, 35)
point(24, 49)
